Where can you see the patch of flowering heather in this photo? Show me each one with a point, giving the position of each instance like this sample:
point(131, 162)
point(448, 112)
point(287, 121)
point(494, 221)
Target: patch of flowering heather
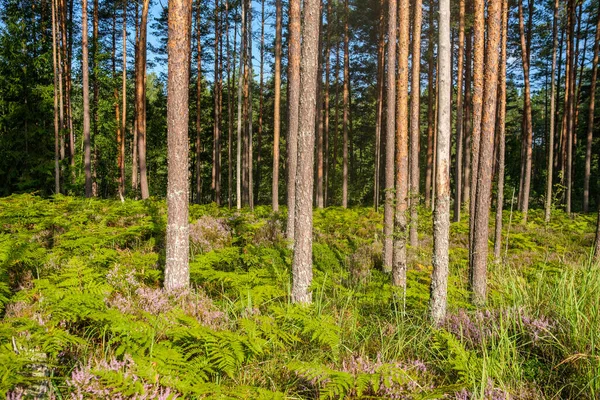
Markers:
point(122, 280)
point(85, 382)
point(209, 233)
point(19, 309)
point(154, 301)
point(474, 328)
point(536, 327)
point(397, 379)
point(157, 301)
point(198, 305)
point(16, 394)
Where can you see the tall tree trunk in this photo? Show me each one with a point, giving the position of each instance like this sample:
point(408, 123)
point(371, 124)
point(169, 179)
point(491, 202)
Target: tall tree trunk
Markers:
point(326, 105)
point(415, 125)
point(277, 106)
point(198, 103)
point(528, 119)
point(240, 111)
point(388, 216)
point(548, 204)
point(96, 89)
point(430, 109)
point(346, 95)
point(468, 121)
point(293, 109)
point(216, 171)
point(55, 68)
point(500, 125)
point(379, 105)
point(477, 281)
point(459, 111)
point(177, 273)
point(230, 85)
point(120, 133)
point(571, 111)
point(401, 225)
point(124, 106)
point(302, 264)
point(60, 67)
point(86, 100)
point(260, 102)
point(141, 100)
point(134, 145)
point(441, 222)
point(320, 122)
point(590, 127)
point(250, 83)
point(479, 251)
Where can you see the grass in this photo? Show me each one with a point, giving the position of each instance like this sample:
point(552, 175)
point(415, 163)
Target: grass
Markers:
point(83, 315)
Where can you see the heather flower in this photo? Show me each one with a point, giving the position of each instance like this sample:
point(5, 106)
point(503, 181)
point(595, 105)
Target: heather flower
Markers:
point(209, 233)
point(85, 382)
point(153, 301)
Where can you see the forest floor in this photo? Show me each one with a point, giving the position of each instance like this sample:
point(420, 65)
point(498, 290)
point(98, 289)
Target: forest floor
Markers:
point(83, 315)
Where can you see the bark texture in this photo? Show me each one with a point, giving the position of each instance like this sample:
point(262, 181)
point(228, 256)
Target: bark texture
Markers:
point(388, 216)
point(401, 220)
point(415, 125)
point(501, 133)
point(548, 203)
point(87, 148)
point(485, 165)
point(590, 127)
point(177, 248)
point(441, 216)
point(293, 107)
point(302, 264)
point(277, 106)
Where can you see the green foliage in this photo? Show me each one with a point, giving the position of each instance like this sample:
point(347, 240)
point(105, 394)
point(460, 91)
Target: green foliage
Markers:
point(79, 294)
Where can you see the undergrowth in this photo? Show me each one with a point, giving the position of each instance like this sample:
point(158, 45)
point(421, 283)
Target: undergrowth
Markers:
point(84, 315)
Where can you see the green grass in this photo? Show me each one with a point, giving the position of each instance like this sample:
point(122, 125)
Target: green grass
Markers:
point(80, 300)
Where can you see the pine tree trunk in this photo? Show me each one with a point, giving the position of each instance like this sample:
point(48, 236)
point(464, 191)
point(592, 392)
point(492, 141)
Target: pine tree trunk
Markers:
point(96, 89)
point(548, 204)
point(430, 109)
point(86, 100)
point(571, 112)
point(468, 122)
point(134, 145)
point(528, 119)
point(590, 127)
point(55, 68)
point(388, 216)
point(326, 105)
point(401, 224)
point(479, 252)
point(216, 167)
point(250, 82)
point(319, 116)
point(346, 100)
point(459, 112)
point(177, 243)
point(500, 125)
point(478, 83)
point(293, 106)
point(120, 133)
point(124, 106)
point(230, 85)
point(277, 106)
point(415, 125)
point(379, 105)
point(261, 103)
point(302, 263)
point(141, 100)
point(198, 144)
point(441, 222)
point(240, 115)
